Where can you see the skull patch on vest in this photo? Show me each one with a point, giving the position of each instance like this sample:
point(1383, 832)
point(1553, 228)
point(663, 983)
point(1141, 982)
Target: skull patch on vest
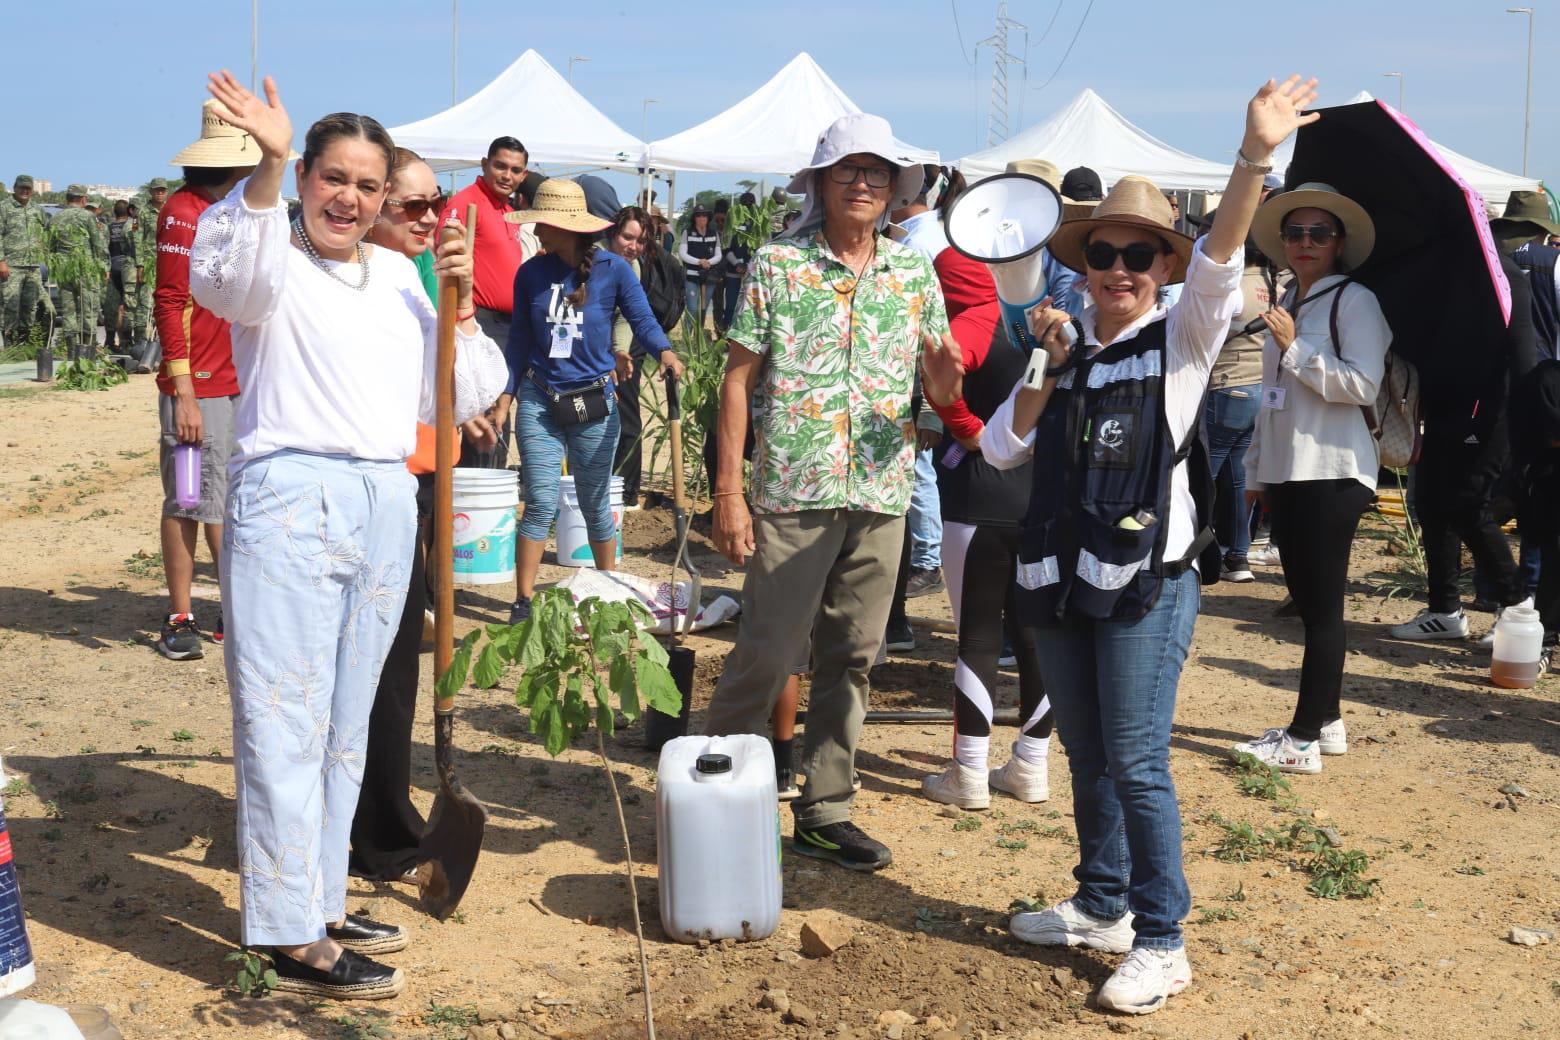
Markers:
point(1113, 440)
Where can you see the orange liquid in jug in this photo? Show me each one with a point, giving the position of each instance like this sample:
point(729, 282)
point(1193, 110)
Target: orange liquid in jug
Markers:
point(1514, 675)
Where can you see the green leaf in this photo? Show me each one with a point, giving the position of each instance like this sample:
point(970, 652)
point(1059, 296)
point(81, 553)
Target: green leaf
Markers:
point(531, 647)
point(454, 679)
point(604, 718)
point(490, 667)
point(654, 651)
point(269, 978)
point(555, 736)
point(657, 687)
point(621, 678)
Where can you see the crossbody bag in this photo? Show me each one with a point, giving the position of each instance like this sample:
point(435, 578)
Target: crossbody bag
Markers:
point(584, 405)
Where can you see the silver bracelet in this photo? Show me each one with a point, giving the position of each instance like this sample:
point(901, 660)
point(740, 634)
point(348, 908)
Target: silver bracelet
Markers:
point(1246, 164)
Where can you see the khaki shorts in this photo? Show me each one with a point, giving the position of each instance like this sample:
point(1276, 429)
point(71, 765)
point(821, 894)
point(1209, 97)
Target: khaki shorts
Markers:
point(216, 448)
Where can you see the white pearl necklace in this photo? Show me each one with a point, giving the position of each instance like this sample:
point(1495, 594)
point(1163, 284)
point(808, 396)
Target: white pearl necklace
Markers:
point(308, 250)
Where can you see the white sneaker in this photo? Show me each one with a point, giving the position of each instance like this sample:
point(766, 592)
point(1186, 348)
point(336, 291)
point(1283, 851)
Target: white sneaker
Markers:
point(958, 785)
point(1277, 749)
point(1145, 980)
point(1487, 641)
point(1427, 624)
point(1066, 925)
point(1334, 740)
point(1264, 556)
point(1025, 781)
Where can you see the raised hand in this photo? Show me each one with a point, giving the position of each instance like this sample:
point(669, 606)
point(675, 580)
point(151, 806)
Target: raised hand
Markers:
point(1277, 111)
point(942, 369)
point(263, 119)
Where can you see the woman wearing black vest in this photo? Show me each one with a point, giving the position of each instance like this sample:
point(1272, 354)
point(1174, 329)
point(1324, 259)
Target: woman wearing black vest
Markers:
point(1105, 561)
point(701, 254)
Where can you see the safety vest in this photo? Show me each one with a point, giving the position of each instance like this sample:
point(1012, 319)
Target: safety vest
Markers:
point(1094, 538)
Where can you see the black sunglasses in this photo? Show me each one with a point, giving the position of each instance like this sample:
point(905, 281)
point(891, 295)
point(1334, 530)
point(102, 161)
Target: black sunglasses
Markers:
point(1137, 257)
point(1320, 234)
point(416, 208)
point(846, 173)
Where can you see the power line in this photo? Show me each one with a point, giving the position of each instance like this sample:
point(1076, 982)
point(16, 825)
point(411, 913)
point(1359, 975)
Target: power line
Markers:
point(1081, 22)
point(960, 33)
point(1047, 30)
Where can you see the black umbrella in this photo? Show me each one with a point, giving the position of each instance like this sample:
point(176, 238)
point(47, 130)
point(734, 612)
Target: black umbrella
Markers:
point(1434, 268)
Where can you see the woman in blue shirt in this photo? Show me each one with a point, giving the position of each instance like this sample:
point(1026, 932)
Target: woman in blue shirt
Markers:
point(560, 372)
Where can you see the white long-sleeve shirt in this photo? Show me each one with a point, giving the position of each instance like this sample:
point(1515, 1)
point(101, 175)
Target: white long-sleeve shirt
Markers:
point(1195, 329)
point(323, 367)
point(1319, 432)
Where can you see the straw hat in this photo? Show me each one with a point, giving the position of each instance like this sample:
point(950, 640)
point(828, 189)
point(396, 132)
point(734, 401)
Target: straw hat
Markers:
point(1133, 202)
point(561, 204)
point(221, 145)
point(1041, 168)
point(1359, 231)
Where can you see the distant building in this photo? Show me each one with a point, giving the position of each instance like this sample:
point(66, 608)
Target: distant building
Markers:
point(109, 191)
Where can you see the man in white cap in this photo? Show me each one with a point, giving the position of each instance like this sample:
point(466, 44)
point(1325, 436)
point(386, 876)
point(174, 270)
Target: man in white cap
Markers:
point(830, 326)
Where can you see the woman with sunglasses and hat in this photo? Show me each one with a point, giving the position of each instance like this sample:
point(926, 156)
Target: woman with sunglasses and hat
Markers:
point(1110, 545)
point(561, 372)
point(335, 345)
point(1313, 459)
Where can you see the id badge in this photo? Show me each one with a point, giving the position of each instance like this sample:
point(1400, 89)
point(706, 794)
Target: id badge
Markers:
point(1273, 397)
point(563, 340)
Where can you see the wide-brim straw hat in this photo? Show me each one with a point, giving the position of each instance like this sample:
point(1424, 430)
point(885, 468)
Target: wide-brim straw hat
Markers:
point(221, 144)
point(561, 204)
point(1052, 175)
point(1359, 231)
point(1134, 202)
point(863, 133)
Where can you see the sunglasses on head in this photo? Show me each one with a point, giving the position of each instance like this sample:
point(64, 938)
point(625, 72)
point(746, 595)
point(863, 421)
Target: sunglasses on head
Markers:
point(1136, 257)
point(846, 173)
point(417, 208)
point(1320, 234)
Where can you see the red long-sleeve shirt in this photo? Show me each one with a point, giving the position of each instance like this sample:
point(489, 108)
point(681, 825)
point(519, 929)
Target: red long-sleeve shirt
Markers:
point(195, 342)
point(496, 253)
point(973, 315)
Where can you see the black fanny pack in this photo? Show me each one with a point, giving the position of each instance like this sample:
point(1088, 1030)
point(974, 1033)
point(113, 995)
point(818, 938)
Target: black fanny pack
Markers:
point(577, 406)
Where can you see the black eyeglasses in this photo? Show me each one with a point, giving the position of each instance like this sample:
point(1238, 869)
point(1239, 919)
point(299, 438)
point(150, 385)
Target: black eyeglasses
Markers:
point(1137, 257)
point(1320, 234)
point(416, 208)
point(846, 173)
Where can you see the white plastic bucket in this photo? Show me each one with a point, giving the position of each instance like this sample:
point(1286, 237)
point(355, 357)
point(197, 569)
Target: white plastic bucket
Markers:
point(484, 525)
point(573, 539)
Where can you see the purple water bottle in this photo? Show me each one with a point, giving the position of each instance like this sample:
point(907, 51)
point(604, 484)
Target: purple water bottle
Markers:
point(186, 475)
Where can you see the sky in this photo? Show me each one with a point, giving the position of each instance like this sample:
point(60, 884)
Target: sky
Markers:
point(1183, 72)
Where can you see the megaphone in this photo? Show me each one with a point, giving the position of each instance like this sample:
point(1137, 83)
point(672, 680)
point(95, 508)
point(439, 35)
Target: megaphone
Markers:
point(1002, 222)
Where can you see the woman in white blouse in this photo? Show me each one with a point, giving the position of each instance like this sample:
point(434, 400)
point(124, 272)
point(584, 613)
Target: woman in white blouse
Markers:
point(1313, 458)
point(334, 343)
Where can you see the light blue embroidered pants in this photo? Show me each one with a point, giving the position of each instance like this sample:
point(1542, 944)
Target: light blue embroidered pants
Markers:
point(316, 554)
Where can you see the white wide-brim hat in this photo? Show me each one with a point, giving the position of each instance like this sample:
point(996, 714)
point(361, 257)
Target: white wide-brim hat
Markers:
point(1359, 231)
point(860, 132)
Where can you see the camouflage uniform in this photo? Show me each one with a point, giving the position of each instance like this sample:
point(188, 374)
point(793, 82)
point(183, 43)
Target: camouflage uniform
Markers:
point(121, 288)
point(77, 233)
point(146, 258)
point(22, 245)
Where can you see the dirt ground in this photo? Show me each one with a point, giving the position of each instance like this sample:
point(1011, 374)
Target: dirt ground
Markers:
point(121, 788)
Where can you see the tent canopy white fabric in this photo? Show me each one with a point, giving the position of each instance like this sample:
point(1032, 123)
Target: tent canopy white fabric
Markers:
point(531, 101)
point(1494, 184)
point(1089, 132)
point(772, 130)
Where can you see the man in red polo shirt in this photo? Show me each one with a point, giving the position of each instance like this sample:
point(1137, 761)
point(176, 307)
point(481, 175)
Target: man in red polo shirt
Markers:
point(198, 383)
point(496, 255)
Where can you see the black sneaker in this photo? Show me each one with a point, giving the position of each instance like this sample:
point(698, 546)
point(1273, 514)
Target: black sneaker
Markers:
point(352, 977)
point(1007, 659)
point(364, 936)
point(899, 635)
point(1237, 569)
point(180, 639)
point(785, 783)
point(520, 610)
point(843, 843)
point(923, 581)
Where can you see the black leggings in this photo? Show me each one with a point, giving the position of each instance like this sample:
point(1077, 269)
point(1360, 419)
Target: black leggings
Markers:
point(978, 561)
point(1455, 485)
point(1313, 524)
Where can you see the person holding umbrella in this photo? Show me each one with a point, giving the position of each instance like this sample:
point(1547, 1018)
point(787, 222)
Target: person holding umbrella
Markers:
point(1313, 455)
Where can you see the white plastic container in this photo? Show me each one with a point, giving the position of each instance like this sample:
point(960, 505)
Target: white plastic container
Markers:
point(484, 525)
point(29, 1020)
point(717, 820)
point(573, 539)
point(1519, 639)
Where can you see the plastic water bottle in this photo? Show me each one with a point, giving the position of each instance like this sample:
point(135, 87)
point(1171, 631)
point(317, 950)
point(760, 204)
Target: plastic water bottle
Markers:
point(717, 821)
point(1519, 639)
point(29, 1020)
point(186, 475)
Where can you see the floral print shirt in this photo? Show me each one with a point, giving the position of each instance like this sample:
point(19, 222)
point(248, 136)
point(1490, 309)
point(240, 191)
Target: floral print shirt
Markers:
point(833, 423)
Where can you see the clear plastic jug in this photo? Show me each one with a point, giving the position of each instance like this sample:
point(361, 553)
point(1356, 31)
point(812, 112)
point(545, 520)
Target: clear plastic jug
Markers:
point(1519, 639)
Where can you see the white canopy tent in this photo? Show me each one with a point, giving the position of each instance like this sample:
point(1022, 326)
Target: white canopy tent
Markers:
point(531, 101)
point(1494, 184)
point(772, 130)
point(1089, 132)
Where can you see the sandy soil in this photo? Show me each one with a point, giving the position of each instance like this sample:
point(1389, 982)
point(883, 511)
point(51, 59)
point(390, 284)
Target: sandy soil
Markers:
point(121, 792)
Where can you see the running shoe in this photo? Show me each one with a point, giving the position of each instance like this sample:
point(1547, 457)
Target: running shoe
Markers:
point(1066, 925)
point(843, 843)
point(1278, 749)
point(180, 638)
point(1145, 980)
point(924, 581)
point(900, 636)
point(958, 785)
point(1427, 624)
point(1237, 569)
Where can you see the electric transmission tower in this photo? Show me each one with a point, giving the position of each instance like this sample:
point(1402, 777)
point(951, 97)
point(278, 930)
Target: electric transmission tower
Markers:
point(1001, 57)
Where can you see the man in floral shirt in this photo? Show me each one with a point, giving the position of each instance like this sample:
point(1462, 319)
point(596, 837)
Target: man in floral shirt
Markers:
point(828, 332)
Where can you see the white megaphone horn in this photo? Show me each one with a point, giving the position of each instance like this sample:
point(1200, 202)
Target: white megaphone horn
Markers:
point(1003, 222)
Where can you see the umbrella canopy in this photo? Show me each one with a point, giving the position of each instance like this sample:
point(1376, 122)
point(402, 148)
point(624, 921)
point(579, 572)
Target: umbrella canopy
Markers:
point(1434, 269)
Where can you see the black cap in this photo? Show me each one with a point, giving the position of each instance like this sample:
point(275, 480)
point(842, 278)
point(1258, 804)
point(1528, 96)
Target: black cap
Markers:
point(1082, 185)
point(713, 764)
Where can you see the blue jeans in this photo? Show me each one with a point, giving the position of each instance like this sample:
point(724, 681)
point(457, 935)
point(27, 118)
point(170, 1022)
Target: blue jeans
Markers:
point(591, 447)
point(730, 293)
point(925, 517)
point(1112, 685)
point(1230, 416)
point(711, 290)
point(1530, 560)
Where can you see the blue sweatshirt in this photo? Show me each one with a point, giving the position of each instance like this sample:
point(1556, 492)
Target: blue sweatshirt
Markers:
point(541, 287)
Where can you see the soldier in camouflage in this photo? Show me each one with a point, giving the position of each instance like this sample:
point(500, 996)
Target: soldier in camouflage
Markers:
point(78, 259)
point(119, 294)
point(150, 205)
point(23, 228)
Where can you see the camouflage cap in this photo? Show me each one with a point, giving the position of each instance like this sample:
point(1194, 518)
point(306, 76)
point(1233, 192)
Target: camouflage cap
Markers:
point(156, 183)
point(76, 191)
point(22, 181)
point(96, 201)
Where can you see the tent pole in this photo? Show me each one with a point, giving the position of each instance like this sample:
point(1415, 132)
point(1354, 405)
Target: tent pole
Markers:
point(671, 195)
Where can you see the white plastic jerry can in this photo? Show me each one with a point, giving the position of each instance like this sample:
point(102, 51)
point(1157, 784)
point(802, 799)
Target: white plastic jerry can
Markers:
point(717, 822)
point(1519, 642)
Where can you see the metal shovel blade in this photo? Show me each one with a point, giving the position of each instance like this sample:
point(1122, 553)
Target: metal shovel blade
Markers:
point(453, 839)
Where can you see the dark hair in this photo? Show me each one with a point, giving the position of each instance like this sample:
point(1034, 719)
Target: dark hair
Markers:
point(507, 144)
point(955, 188)
point(587, 247)
point(121, 208)
point(634, 214)
point(207, 176)
point(340, 125)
